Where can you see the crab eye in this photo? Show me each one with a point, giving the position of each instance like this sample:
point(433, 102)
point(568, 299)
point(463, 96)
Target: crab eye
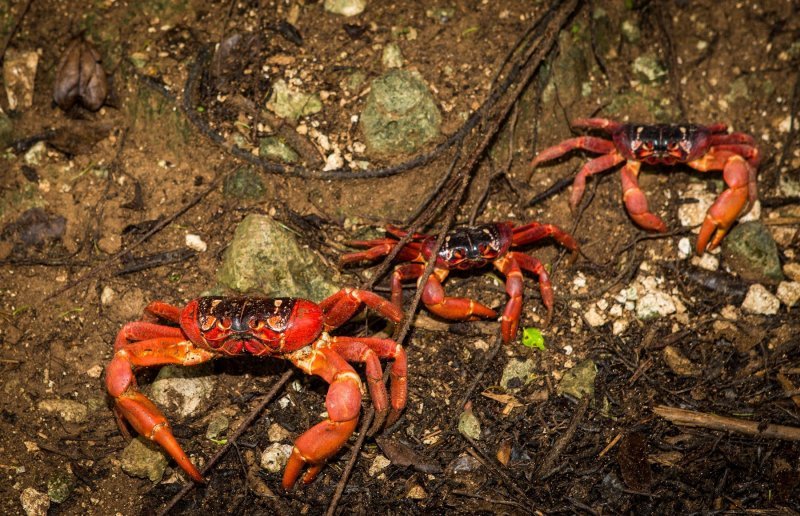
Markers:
point(647, 146)
point(274, 322)
point(224, 323)
point(255, 324)
point(207, 322)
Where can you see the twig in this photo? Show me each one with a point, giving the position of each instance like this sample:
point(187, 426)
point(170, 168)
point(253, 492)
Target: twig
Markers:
point(788, 387)
point(728, 424)
point(546, 468)
point(232, 439)
point(14, 30)
point(486, 461)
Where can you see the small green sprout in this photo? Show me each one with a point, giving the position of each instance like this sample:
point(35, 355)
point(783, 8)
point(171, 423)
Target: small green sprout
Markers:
point(532, 338)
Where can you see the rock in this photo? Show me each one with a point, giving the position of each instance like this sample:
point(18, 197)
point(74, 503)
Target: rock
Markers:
point(275, 148)
point(400, 114)
point(291, 104)
point(35, 154)
point(679, 364)
point(378, 464)
point(416, 492)
point(69, 411)
point(19, 75)
point(693, 214)
point(655, 304)
point(707, 261)
point(34, 503)
point(217, 427)
point(631, 32)
point(244, 183)
point(195, 243)
point(684, 248)
point(346, 7)
point(107, 296)
point(264, 257)
point(619, 326)
point(275, 457)
point(60, 485)
point(760, 301)
point(789, 292)
point(750, 251)
point(595, 318)
point(469, 424)
point(647, 68)
point(183, 391)
point(6, 131)
point(792, 270)
point(144, 459)
point(392, 57)
point(95, 371)
point(579, 381)
point(518, 374)
point(276, 433)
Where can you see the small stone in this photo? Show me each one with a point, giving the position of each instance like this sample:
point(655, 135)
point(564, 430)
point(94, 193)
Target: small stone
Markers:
point(144, 459)
point(95, 371)
point(729, 312)
point(579, 281)
point(619, 326)
point(760, 301)
point(630, 31)
point(750, 251)
point(110, 244)
point(275, 457)
point(615, 311)
point(789, 292)
point(31, 446)
point(196, 243)
point(579, 381)
point(648, 68)
point(277, 433)
point(60, 485)
point(392, 56)
point(346, 7)
point(684, 248)
point(107, 296)
point(244, 183)
point(333, 161)
point(792, 271)
point(19, 75)
point(69, 411)
point(679, 364)
point(217, 426)
point(378, 464)
point(655, 304)
point(290, 103)
point(34, 503)
point(594, 318)
point(518, 374)
point(183, 391)
point(416, 492)
point(469, 424)
point(707, 261)
point(35, 154)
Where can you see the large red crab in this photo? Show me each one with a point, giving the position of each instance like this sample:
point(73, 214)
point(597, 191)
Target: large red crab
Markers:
point(703, 148)
point(466, 248)
point(289, 328)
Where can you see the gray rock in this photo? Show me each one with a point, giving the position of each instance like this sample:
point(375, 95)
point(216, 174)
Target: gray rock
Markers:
point(647, 68)
point(517, 374)
point(750, 251)
point(275, 457)
point(579, 381)
point(144, 459)
point(34, 503)
point(400, 114)
point(469, 425)
point(60, 485)
point(265, 258)
point(346, 7)
point(244, 183)
point(6, 131)
point(275, 148)
point(291, 104)
point(760, 301)
point(68, 410)
point(183, 391)
point(217, 426)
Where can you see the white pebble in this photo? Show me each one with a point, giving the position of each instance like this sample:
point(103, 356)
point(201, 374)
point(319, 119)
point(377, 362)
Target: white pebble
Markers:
point(196, 243)
point(275, 457)
point(684, 247)
point(619, 326)
point(789, 292)
point(707, 261)
point(379, 464)
point(594, 318)
point(760, 301)
point(107, 296)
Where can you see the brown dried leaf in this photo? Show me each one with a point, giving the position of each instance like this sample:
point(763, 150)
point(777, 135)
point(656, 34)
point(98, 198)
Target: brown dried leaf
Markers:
point(402, 455)
point(632, 460)
point(80, 77)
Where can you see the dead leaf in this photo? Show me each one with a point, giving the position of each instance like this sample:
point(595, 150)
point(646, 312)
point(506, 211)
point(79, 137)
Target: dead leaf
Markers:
point(403, 455)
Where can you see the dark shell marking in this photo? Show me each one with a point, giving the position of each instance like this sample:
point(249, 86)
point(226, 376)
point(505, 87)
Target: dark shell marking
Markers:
point(662, 143)
point(244, 313)
point(474, 246)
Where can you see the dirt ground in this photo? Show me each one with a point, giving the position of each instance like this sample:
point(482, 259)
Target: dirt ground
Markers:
point(111, 173)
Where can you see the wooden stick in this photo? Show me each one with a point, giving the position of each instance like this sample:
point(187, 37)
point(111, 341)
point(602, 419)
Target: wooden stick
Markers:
point(729, 424)
point(788, 387)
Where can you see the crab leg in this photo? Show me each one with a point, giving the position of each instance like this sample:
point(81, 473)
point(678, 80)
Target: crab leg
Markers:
point(455, 308)
point(748, 152)
point(343, 403)
point(160, 310)
point(341, 306)
point(534, 231)
point(511, 266)
point(369, 350)
point(403, 273)
point(588, 143)
point(736, 200)
point(592, 167)
point(134, 406)
point(636, 202)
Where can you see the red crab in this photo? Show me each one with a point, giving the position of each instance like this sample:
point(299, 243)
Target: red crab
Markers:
point(703, 148)
point(466, 248)
point(289, 328)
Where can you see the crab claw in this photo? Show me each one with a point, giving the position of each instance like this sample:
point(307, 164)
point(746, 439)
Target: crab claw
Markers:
point(729, 205)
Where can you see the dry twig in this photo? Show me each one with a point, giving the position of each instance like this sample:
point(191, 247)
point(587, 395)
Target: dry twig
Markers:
point(728, 424)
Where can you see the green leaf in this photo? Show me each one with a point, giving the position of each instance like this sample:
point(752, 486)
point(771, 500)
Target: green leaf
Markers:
point(220, 442)
point(532, 338)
